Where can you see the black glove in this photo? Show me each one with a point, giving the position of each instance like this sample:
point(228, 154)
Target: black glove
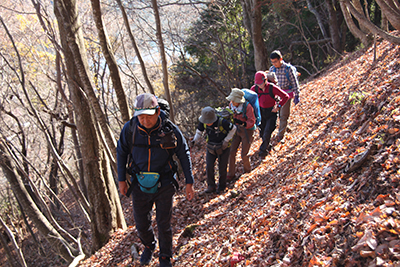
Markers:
point(239, 122)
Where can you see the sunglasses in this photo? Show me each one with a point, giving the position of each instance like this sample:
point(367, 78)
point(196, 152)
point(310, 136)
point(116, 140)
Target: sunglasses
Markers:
point(138, 109)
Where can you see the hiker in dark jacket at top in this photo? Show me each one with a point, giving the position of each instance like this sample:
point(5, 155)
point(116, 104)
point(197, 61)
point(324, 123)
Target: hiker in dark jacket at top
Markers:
point(245, 122)
point(219, 136)
point(263, 83)
point(151, 160)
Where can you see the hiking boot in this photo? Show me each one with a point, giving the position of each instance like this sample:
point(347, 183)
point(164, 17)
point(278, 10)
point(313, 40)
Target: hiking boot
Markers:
point(145, 258)
point(165, 262)
point(281, 139)
point(230, 178)
point(209, 190)
point(220, 190)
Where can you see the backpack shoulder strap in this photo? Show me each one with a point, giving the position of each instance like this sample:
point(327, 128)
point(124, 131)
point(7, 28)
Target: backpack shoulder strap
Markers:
point(270, 91)
point(167, 126)
point(219, 121)
point(244, 110)
point(220, 126)
point(258, 92)
point(132, 132)
point(287, 69)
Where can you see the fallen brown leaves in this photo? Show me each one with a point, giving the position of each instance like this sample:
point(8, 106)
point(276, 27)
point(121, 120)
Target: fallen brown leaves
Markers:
point(299, 207)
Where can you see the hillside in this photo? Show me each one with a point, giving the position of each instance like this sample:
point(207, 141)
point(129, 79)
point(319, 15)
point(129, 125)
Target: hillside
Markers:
point(300, 207)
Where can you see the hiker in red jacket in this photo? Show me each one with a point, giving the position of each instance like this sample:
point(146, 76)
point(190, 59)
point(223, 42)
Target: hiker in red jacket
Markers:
point(245, 122)
point(266, 90)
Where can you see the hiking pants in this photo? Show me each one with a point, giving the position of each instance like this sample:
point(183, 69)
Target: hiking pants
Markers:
point(268, 125)
point(244, 136)
point(142, 207)
point(222, 168)
point(284, 113)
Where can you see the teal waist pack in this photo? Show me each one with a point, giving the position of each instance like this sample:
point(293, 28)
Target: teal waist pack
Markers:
point(148, 181)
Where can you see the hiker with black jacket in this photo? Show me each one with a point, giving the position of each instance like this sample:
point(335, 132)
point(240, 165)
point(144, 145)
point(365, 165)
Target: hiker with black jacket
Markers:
point(220, 132)
point(267, 91)
point(150, 146)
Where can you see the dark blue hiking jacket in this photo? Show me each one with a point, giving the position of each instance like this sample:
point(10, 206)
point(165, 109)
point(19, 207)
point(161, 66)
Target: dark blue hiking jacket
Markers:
point(149, 156)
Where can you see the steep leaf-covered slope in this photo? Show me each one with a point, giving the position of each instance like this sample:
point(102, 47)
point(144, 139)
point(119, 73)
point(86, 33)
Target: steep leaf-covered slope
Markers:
point(328, 196)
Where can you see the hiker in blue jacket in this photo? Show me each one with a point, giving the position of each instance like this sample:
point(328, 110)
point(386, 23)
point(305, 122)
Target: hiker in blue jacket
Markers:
point(219, 136)
point(264, 86)
point(287, 81)
point(154, 141)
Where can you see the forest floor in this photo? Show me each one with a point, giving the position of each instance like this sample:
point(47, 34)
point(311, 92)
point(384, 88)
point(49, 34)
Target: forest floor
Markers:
point(328, 196)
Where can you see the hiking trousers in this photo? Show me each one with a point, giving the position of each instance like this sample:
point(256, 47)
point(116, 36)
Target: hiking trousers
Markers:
point(268, 125)
point(284, 113)
point(222, 168)
point(142, 207)
point(244, 136)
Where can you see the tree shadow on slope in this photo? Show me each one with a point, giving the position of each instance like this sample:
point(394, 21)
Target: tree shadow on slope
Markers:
point(213, 207)
point(323, 155)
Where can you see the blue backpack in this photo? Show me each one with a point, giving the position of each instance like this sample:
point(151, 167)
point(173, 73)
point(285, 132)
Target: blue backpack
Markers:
point(252, 98)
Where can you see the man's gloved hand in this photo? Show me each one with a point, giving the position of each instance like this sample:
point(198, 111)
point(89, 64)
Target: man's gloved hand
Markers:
point(296, 99)
point(239, 122)
point(225, 145)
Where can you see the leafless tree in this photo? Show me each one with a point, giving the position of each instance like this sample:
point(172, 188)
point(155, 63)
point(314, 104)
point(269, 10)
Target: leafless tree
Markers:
point(111, 62)
point(135, 47)
point(105, 208)
point(252, 20)
point(163, 58)
point(40, 221)
point(349, 9)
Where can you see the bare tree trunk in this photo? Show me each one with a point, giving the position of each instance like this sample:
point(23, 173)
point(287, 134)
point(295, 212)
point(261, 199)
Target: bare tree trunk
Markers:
point(391, 11)
point(358, 6)
point(54, 165)
point(58, 243)
point(163, 58)
point(253, 22)
point(318, 17)
point(112, 64)
point(71, 123)
point(128, 28)
point(334, 27)
point(11, 260)
point(306, 41)
point(352, 26)
point(14, 243)
point(105, 208)
point(23, 151)
point(369, 25)
point(71, 23)
point(384, 22)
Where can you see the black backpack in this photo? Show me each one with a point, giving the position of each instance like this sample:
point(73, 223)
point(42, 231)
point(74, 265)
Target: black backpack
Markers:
point(270, 91)
point(164, 105)
point(168, 142)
